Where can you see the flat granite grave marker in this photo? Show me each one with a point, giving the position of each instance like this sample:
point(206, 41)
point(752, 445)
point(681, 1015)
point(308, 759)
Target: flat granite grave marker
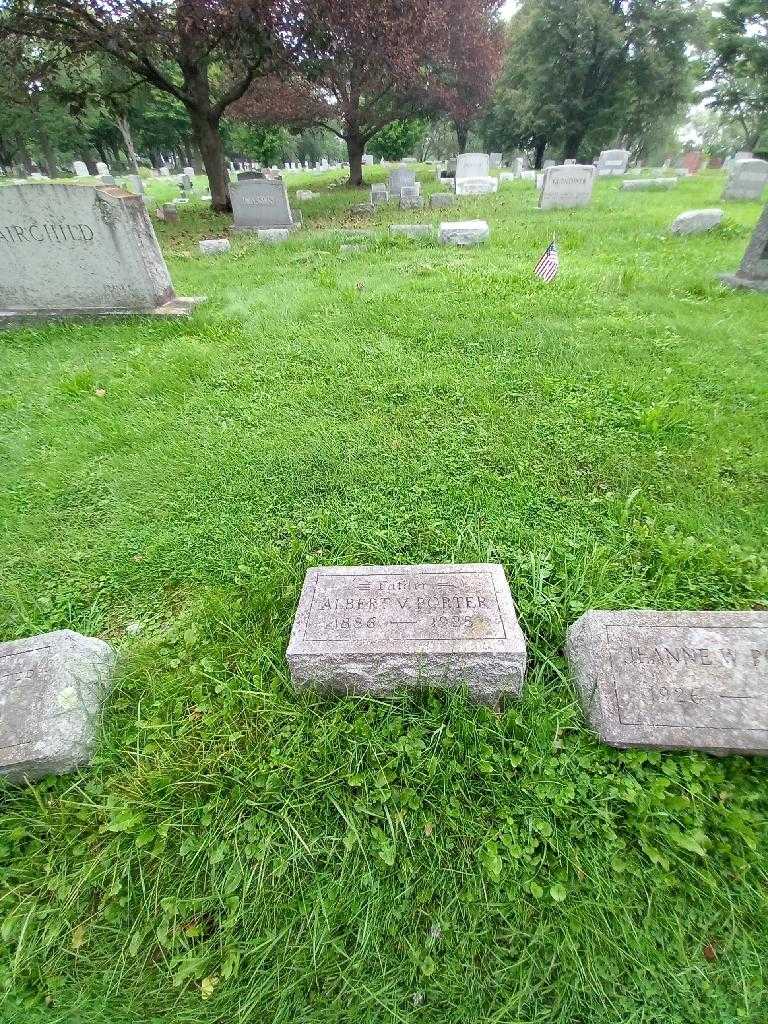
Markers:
point(371, 629)
point(261, 203)
point(747, 180)
point(671, 680)
point(463, 232)
point(645, 184)
point(70, 250)
point(51, 690)
point(695, 222)
point(753, 272)
point(567, 186)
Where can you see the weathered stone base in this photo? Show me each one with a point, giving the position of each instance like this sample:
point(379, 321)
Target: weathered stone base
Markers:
point(178, 306)
point(753, 284)
point(253, 230)
point(51, 690)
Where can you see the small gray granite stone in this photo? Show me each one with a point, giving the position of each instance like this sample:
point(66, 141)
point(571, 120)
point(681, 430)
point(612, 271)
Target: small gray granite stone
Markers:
point(379, 194)
point(695, 222)
point(261, 203)
point(305, 194)
point(410, 198)
point(212, 246)
point(442, 199)
point(170, 213)
point(567, 186)
point(667, 680)
point(273, 235)
point(400, 177)
point(612, 162)
point(411, 230)
point(363, 209)
point(464, 232)
point(51, 690)
point(753, 272)
point(372, 629)
point(640, 184)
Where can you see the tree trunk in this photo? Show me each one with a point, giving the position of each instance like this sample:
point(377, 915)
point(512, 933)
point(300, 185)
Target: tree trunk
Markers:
point(355, 147)
point(462, 133)
point(208, 139)
point(538, 160)
point(48, 155)
point(130, 149)
point(572, 143)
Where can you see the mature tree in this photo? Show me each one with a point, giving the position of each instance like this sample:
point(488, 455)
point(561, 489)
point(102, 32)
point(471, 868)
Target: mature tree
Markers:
point(738, 67)
point(204, 53)
point(584, 73)
point(372, 62)
point(397, 139)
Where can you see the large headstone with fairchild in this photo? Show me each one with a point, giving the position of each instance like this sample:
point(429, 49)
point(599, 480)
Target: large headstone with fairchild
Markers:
point(261, 203)
point(373, 629)
point(612, 162)
point(51, 691)
point(667, 680)
point(747, 180)
point(70, 250)
point(567, 186)
point(753, 272)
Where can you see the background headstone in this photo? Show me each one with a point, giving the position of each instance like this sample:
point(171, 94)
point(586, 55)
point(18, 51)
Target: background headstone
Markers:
point(372, 629)
point(612, 162)
point(81, 169)
point(51, 691)
point(400, 177)
point(747, 180)
point(567, 186)
point(695, 222)
point(261, 203)
point(463, 232)
point(666, 680)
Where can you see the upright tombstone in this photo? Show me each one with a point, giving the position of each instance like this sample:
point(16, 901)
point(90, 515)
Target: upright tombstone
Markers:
point(547, 164)
point(189, 171)
point(135, 184)
point(401, 176)
point(674, 680)
point(261, 203)
point(692, 161)
point(753, 272)
point(51, 691)
point(379, 194)
point(101, 167)
point(473, 175)
point(165, 172)
point(518, 166)
point(612, 162)
point(372, 629)
point(495, 160)
point(66, 250)
point(567, 186)
point(106, 179)
point(747, 180)
point(81, 169)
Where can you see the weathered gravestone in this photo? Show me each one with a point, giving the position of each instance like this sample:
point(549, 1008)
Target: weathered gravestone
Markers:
point(68, 250)
point(747, 180)
point(379, 194)
point(665, 680)
point(135, 184)
point(399, 178)
point(473, 175)
point(214, 246)
point(51, 691)
point(249, 175)
point(371, 629)
point(612, 162)
point(101, 167)
point(442, 199)
point(261, 203)
point(753, 272)
point(547, 164)
point(645, 184)
point(463, 232)
point(410, 197)
point(695, 222)
point(495, 160)
point(81, 169)
point(567, 186)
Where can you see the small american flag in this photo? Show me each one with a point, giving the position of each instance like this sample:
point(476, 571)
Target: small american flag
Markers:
point(549, 264)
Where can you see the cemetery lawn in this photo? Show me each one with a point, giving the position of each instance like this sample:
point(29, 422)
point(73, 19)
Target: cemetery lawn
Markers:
point(237, 853)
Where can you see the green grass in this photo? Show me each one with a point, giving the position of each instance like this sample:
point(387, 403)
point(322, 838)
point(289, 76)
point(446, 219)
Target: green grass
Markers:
point(415, 859)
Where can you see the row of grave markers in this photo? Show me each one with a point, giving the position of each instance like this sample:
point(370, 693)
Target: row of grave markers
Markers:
point(66, 250)
point(661, 680)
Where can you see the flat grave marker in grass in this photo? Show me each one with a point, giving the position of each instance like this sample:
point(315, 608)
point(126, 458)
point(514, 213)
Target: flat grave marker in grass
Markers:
point(666, 680)
point(567, 186)
point(753, 272)
point(66, 250)
point(372, 629)
point(51, 689)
